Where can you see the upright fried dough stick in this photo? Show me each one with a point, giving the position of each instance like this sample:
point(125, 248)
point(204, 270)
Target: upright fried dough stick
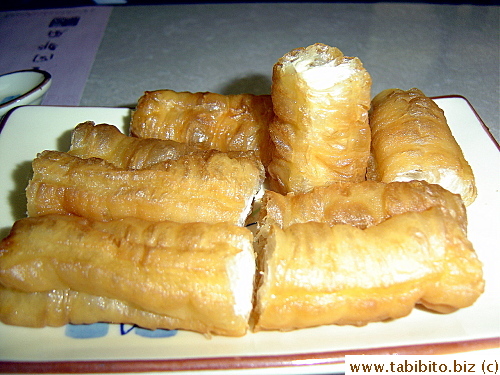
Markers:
point(314, 274)
point(195, 276)
point(210, 186)
point(411, 140)
point(108, 143)
point(208, 120)
point(320, 133)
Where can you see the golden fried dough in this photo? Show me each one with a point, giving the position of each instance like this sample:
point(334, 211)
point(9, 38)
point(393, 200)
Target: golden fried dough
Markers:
point(411, 140)
point(106, 142)
point(314, 274)
point(361, 204)
point(209, 186)
point(320, 133)
point(205, 119)
point(194, 276)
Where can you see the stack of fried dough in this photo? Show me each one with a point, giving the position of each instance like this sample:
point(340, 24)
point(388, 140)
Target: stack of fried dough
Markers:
point(359, 208)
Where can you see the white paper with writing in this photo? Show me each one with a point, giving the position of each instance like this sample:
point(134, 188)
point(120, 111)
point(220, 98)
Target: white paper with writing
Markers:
point(62, 41)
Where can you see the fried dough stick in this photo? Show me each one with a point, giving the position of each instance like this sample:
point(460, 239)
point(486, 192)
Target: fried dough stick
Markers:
point(362, 204)
point(205, 119)
point(60, 307)
point(194, 276)
point(320, 133)
point(210, 186)
point(106, 142)
point(314, 274)
point(411, 140)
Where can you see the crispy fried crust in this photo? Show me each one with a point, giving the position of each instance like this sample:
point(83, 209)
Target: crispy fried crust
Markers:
point(320, 133)
point(137, 271)
point(205, 119)
point(314, 274)
point(106, 142)
point(60, 307)
point(411, 140)
point(210, 186)
point(361, 204)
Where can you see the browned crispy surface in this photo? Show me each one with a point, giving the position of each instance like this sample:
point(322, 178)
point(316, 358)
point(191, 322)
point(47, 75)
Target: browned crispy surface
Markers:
point(209, 186)
point(411, 140)
point(108, 143)
point(208, 120)
point(163, 274)
point(60, 307)
point(320, 133)
point(360, 204)
point(314, 274)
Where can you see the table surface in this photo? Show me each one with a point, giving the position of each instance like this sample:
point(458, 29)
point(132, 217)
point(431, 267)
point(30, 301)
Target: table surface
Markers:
point(231, 48)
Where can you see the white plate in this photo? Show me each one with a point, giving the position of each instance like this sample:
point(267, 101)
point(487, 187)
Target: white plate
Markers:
point(29, 130)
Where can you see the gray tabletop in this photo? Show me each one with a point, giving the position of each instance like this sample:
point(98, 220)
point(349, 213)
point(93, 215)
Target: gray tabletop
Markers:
point(231, 48)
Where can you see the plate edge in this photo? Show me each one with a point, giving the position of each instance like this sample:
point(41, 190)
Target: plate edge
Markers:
point(244, 362)
point(483, 124)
